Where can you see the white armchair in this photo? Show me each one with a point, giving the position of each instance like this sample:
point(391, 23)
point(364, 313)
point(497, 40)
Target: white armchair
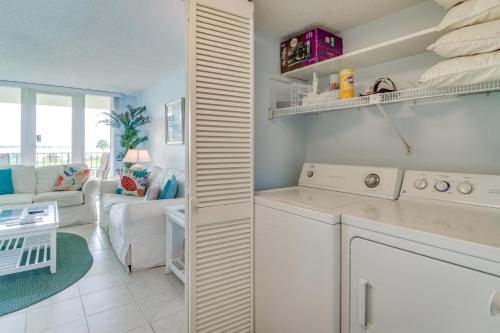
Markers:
point(136, 228)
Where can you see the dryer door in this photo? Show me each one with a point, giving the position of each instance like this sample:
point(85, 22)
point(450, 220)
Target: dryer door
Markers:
point(395, 291)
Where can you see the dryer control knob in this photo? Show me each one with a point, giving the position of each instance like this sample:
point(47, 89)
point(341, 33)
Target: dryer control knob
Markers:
point(372, 180)
point(442, 186)
point(310, 173)
point(465, 188)
point(420, 184)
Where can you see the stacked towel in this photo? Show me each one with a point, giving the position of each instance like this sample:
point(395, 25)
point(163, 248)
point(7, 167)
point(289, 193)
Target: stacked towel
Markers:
point(472, 47)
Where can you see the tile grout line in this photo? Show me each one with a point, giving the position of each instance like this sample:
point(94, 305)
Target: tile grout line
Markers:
point(84, 312)
point(143, 314)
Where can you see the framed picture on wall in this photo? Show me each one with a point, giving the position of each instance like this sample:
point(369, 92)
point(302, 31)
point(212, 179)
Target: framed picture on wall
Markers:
point(174, 122)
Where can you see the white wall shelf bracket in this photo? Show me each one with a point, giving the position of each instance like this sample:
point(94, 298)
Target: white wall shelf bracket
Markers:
point(395, 127)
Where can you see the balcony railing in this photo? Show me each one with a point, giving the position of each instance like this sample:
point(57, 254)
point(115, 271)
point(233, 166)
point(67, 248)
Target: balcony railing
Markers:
point(92, 159)
point(53, 158)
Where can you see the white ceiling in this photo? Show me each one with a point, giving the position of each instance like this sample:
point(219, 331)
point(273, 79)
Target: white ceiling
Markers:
point(115, 45)
point(126, 46)
point(284, 17)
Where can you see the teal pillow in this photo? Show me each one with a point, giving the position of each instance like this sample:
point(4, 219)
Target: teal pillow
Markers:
point(169, 191)
point(6, 185)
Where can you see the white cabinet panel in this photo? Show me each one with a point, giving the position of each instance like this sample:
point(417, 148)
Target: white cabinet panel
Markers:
point(395, 291)
point(297, 273)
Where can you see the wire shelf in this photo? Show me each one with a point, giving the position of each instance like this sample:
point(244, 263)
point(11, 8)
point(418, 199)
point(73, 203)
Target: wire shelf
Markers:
point(414, 94)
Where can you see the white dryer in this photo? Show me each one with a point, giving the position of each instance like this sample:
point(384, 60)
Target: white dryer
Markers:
point(298, 245)
point(428, 262)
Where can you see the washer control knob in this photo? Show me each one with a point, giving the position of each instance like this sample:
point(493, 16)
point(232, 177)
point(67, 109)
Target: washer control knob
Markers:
point(420, 184)
point(442, 186)
point(465, 188)
point(372, 180)
point(310, 173)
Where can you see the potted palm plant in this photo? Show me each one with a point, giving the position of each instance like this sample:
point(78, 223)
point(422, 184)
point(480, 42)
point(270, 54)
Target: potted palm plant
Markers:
point(129, 124)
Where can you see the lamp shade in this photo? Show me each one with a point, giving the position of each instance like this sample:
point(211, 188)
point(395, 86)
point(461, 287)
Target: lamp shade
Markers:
point(137, 156)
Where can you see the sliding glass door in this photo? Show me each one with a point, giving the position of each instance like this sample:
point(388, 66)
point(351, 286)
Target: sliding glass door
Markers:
point(53, 129)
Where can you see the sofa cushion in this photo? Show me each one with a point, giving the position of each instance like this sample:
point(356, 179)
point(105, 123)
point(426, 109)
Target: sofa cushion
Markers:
point(63, 199)
point(46, 177)
point(108, 200)
point(16, 199)
point(157, 176)
point(152, 193)
point(23, 177)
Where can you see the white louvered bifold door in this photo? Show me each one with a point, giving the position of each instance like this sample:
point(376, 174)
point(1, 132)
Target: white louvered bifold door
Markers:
point(220, 230)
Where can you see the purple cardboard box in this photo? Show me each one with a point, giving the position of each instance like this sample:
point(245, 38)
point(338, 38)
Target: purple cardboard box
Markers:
point(309, 48)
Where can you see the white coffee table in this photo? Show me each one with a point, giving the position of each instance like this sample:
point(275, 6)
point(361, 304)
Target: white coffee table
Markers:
point(28, 237)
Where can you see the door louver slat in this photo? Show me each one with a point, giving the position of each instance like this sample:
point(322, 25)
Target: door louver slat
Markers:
point(222, 43)
point(222, 14)
point(233, 59)
point(215, 19)
point(210, 49)
point(223, 93)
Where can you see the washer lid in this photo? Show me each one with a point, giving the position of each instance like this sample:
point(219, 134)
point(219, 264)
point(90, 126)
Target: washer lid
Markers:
point(467, 229)
point(317, 204)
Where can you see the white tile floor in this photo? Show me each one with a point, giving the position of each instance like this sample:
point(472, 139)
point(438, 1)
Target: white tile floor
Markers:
point(106, 299)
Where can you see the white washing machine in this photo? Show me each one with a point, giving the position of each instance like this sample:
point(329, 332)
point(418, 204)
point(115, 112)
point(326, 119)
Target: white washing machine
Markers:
point(428, 262)
point(298, 245)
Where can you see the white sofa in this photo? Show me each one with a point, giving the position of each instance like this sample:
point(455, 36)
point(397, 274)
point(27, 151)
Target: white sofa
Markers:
point(136, 228)
point(37, 185)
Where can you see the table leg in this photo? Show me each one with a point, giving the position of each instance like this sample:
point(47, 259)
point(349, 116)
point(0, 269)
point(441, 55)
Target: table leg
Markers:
point(53, 251)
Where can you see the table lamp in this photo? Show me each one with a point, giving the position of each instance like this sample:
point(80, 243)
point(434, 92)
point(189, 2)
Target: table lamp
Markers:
point(137, 156)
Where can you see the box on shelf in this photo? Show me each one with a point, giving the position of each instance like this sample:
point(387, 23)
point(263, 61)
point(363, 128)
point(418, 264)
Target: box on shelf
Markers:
point(291, 95)
point(309, 48)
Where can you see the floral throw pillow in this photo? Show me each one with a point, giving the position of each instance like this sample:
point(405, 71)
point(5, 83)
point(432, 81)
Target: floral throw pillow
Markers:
point(71, 178)
point(133, 183)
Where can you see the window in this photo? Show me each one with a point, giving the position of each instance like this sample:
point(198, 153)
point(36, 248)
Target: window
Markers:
point(97, 134)
point(10, 125)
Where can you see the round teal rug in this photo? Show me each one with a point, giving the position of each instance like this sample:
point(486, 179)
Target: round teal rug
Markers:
point(20, 290)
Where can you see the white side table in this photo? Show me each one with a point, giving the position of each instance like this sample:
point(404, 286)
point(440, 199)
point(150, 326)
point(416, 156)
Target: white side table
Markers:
point(175, 238)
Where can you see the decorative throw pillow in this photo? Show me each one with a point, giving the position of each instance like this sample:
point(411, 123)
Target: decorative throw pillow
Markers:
point(169, 190)
point(152, 193)
point(71, 178)
point(6, 184)
point(133, 182)
point(471, 12)
point(474, 39)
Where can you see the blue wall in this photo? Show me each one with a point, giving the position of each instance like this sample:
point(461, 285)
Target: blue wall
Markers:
point(155, 98)
point(457, 134)
point(280, 143)
point(452, 134)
